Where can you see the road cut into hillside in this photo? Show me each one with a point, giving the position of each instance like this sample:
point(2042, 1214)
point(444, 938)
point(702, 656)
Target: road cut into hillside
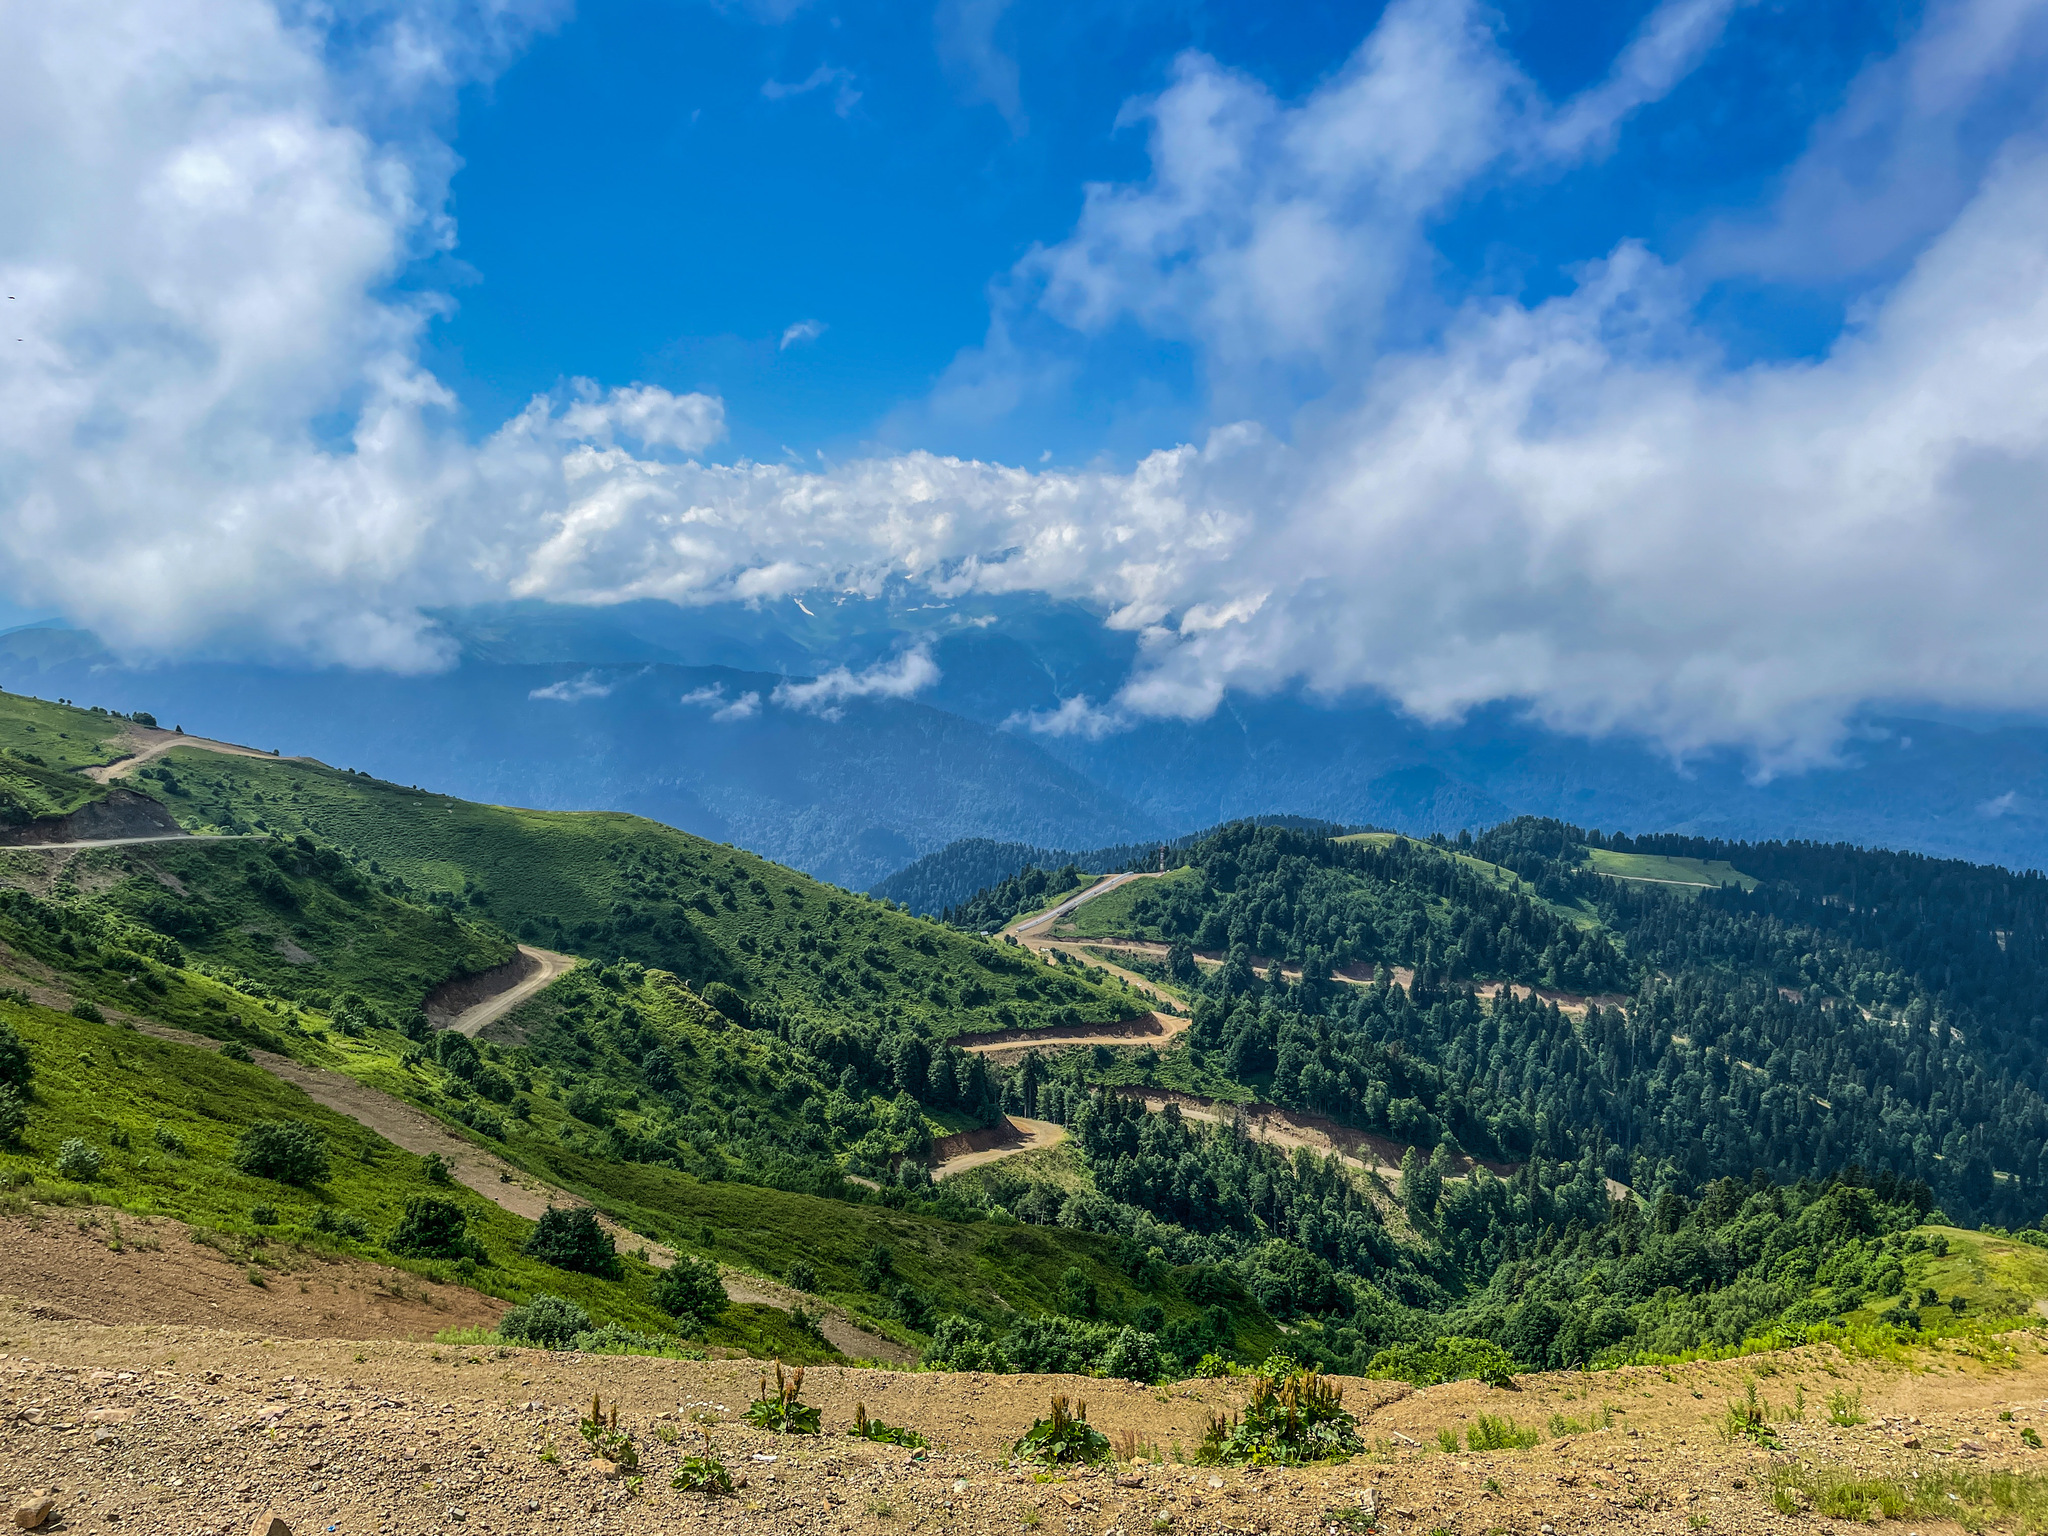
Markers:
point(1008, 1137)
point(469, 1005)
point(145, 744)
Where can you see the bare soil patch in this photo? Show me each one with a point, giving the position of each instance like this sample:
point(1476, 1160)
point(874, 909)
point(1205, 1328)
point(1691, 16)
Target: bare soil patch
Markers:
point(207, 1427)
point(975, 1149)
point(122, 815)
point(105, 1266)
point(1145, 1029)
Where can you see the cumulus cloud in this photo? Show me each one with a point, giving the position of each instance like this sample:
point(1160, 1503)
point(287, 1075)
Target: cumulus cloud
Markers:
point(910, 672)
point(1578, 504)
point(574, 690)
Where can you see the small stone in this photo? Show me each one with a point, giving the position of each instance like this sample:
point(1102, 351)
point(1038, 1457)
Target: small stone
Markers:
point(1131, 1480)
point(269, 1523)
point(111, 1416)
point(30, 1516)
point(1911, 1442)
point(104, 1436)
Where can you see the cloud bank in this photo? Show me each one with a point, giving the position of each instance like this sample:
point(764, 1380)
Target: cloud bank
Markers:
point(1578, 504)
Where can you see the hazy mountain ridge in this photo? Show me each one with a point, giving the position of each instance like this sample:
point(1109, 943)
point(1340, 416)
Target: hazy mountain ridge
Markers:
point(834, 796)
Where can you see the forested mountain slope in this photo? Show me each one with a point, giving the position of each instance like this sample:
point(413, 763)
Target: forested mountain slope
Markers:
point(1784, 1064)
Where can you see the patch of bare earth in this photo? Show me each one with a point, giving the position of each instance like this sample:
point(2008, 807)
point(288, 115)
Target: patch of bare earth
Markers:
point(105, 1266)
point(193, 1430)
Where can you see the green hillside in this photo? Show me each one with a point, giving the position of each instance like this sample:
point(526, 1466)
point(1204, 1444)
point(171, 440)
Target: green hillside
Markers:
point(610, 885)
point(30, 791)
point(1666, 870)
point(58, 735)
point(1806, 1068)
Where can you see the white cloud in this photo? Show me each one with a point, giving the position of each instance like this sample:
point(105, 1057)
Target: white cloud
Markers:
point(724, 711)
point(1578, 504)
point(803, 330)
point(1999, 805)
point(574, 690)
point(1074, 717)
point(641, 413)
point(844, 97)
point(910, 672)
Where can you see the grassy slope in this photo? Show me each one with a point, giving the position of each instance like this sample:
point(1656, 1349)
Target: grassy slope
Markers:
point(39, 744)
point(61, 736)
point(1109, 916)
point(1652, 866)
point(104, 1082)
point(30, 793)
point(321, 938)
point(128, 1082)
point(603, 884)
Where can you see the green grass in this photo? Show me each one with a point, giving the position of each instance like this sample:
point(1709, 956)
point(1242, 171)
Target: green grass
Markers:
point(603, 885)
point(1657, 867)
point(1109, 916)
point(274, 916)
point(2015, 1501)
point(108, 1085)
point(29, 793)
point(63, 737)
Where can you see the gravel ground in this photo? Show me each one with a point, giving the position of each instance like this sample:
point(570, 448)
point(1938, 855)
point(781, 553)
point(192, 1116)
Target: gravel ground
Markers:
point(197, 1430)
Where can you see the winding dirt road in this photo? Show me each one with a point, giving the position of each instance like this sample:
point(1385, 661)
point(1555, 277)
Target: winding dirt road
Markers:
point(150, 744)
point(544, 965)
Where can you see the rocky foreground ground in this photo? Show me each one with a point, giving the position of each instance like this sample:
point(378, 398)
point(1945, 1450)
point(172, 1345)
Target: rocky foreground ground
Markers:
point(159, 1428)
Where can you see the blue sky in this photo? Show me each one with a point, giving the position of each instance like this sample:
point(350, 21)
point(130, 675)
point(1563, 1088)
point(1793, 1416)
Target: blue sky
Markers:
point(635, 203)
point(1675, 369)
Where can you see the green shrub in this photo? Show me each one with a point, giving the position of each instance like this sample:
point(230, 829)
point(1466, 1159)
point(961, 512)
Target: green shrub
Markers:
point(432, 1228)
point(79, 1160)
point(546, 1321)
point(1490, 1432)
point(436, 1169)
point(263, 1215)
point(167, 1139)
point(15, 1067)
point(1289, 1420)
point(87, 1011)
point(234, 1050)
point(13, 1115)
point(691, 1292)
point(701, 1474)
point(289, 1151)
point(781, 1410)
point(802, 1277)
point(1064, 1438)
point(570, 1237)
point(341, 1224)
point(962, 1344)
point(1445, 1359)
point(865, 1428)
point(728, 1002)
point(1132, 1355)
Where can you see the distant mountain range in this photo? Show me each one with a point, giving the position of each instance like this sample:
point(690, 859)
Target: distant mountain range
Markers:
point(689, 716)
